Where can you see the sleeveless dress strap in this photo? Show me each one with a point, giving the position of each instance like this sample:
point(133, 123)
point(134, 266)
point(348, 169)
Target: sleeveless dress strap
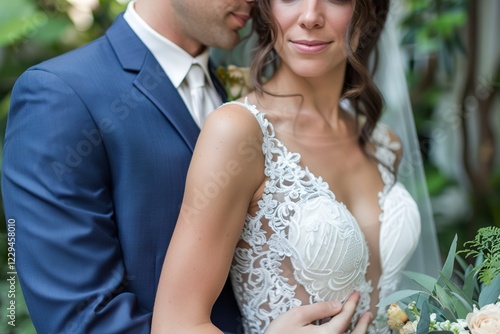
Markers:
point(265, 125)
point(267, 130)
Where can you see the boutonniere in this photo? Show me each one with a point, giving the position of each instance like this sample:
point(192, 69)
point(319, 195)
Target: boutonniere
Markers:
point(236, 81)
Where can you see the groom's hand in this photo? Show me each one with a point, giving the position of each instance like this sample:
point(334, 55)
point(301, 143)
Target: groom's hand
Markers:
point(300, 319)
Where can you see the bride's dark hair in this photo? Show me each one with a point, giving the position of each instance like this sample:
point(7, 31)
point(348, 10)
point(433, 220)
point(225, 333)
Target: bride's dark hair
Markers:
point(367, 22)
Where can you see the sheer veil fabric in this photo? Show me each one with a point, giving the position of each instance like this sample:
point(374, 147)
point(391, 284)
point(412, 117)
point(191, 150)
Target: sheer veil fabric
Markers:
point(398, 114)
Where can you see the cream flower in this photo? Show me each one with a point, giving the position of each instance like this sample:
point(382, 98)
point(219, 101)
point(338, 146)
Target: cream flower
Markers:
point(236, 80)
point(484, 321)
point(397, 317)
point(408, 328)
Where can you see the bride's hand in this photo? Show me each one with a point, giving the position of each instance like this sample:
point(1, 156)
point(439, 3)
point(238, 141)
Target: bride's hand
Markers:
point(300, 319)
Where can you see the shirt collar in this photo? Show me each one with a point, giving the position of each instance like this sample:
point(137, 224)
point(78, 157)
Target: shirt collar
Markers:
point(165, 51)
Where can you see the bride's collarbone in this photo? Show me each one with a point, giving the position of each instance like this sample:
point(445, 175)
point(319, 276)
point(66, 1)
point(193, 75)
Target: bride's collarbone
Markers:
point(350, 173)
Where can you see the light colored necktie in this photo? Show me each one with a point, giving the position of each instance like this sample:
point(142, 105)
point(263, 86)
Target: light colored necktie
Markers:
point(199, 94)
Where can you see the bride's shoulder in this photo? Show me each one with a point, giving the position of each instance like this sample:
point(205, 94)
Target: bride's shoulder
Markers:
point(234, 120)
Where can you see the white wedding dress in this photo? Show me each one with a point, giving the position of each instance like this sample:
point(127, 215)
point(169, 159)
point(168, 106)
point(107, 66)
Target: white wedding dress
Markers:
point(303, 246)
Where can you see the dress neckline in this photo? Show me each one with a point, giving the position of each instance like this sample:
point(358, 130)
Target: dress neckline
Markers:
point(296, 158)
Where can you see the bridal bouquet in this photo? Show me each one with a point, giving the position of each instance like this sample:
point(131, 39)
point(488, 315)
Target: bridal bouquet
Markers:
point(465, 303)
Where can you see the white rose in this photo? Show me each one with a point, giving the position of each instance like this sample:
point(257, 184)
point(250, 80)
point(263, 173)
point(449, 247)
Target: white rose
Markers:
point(484, 321)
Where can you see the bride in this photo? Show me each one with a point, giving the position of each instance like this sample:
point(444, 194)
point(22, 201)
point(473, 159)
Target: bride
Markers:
point(293, 189)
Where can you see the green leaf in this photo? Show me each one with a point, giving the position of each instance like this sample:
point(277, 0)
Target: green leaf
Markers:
point(468, 277)
point(455, 289)
point(462, 306)
point(490, 293)
point(425, 281)
point(396, 296)
point(447, 270)
point(424, 323)
point(469, 285)
point(446, 300)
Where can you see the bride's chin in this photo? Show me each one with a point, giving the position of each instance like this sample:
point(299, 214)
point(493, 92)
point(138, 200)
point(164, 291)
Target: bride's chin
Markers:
point(315, 69)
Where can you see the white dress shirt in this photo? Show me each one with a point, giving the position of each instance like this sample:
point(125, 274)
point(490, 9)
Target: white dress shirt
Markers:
point(174, 60)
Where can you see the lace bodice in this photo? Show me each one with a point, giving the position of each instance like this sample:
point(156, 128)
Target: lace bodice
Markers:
point(303, 246)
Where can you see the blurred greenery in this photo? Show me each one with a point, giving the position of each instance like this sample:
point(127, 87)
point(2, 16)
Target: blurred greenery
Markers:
point(441, 39)
point(434, 38)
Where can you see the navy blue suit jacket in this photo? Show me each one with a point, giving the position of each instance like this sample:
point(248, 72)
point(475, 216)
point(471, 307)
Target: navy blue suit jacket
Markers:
point(96, 154)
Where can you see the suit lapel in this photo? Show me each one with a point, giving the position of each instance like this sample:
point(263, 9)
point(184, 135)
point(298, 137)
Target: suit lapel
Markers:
point(217, 83)
point(151, 79)
point(155, 84)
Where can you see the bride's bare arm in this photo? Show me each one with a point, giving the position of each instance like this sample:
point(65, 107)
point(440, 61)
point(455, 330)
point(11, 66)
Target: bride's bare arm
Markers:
point(225, 171)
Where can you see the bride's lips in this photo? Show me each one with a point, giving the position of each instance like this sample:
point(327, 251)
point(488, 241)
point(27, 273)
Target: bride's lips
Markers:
point(240, 19)
point(310, 46)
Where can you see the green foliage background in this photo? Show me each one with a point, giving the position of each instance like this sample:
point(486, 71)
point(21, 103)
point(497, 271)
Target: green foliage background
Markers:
point(35, 30)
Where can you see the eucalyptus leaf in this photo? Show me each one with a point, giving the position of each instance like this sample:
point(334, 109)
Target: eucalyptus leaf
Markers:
point(446, 301)
point(447, 270)
point(424, 323)
point(396, 296)
point(461, 262)
point(455, 289)
point(425, 281)
point(490, 293)
point(462, 306)
point(469, 281)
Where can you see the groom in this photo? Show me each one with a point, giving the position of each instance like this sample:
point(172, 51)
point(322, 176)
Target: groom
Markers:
point(97, 148)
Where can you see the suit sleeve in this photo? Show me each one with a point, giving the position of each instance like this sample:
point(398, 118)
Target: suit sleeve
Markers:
point(56, 188)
